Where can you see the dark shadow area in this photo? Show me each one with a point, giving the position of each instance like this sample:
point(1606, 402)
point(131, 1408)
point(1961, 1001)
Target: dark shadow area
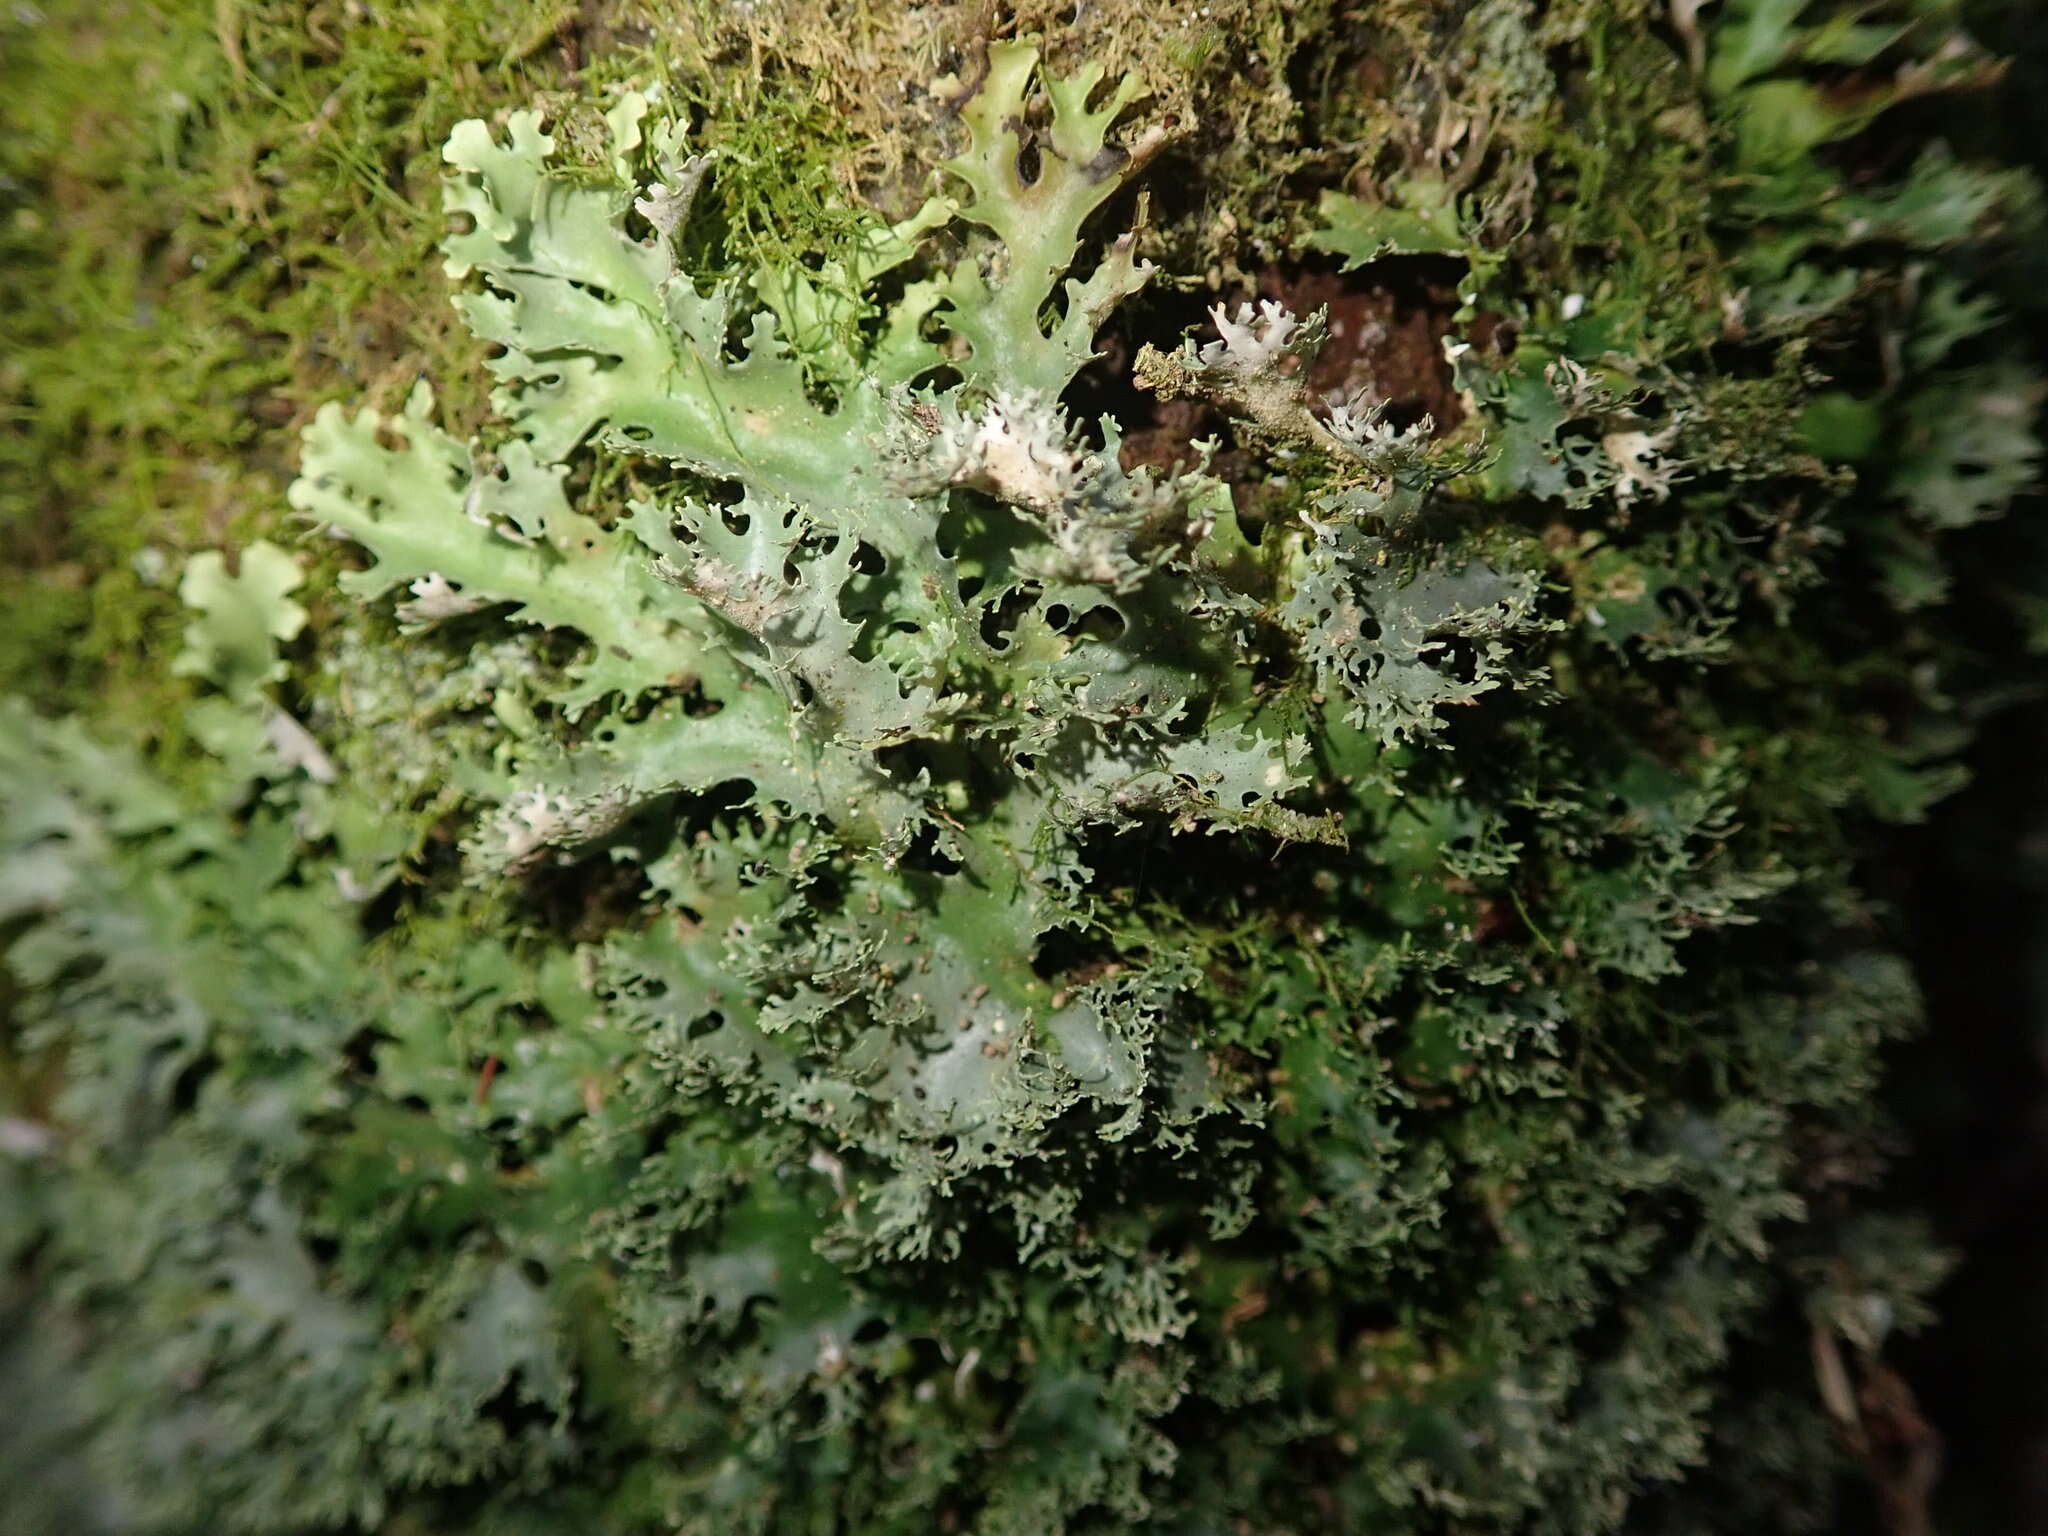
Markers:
point(1971, 899)
point(1972, 1092)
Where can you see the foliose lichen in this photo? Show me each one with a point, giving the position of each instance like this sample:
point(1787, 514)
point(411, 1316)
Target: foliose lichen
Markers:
point(826, 948)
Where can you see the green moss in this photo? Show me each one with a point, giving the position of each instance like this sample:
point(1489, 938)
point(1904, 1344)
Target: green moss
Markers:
point(213, 216)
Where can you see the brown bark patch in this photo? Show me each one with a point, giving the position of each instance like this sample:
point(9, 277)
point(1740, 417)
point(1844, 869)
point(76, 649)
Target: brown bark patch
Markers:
point(1388, 321)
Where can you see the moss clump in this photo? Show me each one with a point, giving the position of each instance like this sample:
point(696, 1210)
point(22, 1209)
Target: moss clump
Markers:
point(214, 216)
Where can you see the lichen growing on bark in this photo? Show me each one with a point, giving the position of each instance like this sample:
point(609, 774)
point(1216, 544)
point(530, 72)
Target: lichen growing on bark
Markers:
point(957, 868)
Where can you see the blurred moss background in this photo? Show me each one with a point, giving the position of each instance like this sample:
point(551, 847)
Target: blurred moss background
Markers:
point(213, 213)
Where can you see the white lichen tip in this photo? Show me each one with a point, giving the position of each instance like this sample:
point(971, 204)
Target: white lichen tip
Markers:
point(1019, 448)
point(533, 819)
point(1253, 340)
point(667, 203)
point(435, 597)
point(1640, 468)
point(1360, 424)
